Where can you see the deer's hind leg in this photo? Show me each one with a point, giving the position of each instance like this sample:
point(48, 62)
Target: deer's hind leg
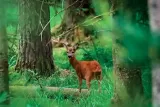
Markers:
point(80, 84)
point(99, 85)
point(99, 78)
point(88, 80)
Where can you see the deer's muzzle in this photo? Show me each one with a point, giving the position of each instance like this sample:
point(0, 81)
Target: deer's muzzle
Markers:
point(70, 55)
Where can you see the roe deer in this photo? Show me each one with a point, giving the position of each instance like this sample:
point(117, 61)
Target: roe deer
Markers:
point(87, 70)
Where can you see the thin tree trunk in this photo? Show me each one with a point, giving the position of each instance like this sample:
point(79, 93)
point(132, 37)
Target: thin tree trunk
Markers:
point(154, 9)
point(35, 48)
point(4, 83)
point(75, 12)
point(127, 76)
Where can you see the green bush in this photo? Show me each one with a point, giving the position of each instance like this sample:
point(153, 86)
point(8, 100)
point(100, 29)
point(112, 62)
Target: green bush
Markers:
point(103, 55)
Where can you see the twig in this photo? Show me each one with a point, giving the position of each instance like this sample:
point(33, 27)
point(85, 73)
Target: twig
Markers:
point(83, 24)
point(49, 3)
point(56, 15)
point(104, 14)
point(11, 34)
point(41, 17)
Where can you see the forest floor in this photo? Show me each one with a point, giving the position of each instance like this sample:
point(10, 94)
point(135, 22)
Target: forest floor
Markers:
point(25, 98)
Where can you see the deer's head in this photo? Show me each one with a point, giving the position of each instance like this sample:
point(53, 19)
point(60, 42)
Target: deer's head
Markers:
point(71, 50)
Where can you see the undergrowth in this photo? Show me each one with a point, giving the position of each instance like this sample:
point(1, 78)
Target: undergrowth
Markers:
point(95, 99)
point(27, 78)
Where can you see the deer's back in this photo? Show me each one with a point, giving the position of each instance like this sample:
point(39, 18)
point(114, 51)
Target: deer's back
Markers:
point(93, 66)
point(89, 68)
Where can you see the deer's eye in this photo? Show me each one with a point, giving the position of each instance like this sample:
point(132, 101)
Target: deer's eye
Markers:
point(72, 52)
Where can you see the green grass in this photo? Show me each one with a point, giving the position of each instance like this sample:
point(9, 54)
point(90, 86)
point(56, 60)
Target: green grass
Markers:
point(39, 102)
point(94, 99)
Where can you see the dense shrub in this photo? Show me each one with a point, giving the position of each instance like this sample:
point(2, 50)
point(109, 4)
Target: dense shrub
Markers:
point(103, 55)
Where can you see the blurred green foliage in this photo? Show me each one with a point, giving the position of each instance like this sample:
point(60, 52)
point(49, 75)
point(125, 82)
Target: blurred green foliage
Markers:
point(103, 55)
point(3, 97)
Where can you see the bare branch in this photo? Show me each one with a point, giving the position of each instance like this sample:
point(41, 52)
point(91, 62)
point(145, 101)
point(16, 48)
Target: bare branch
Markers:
point(56, 15)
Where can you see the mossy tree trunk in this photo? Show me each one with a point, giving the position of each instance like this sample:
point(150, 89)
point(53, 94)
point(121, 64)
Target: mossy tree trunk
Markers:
point(4, 82)
point(155, 49)
point(35, 48)
point(75, 12)
point(130, 52)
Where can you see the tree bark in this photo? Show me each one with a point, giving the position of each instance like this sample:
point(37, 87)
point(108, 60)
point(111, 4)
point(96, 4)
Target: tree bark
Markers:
point(129, 54)
point(35, 48)
point(127, 76)
point(4, 82)
point(154, 8)
point(75, 12)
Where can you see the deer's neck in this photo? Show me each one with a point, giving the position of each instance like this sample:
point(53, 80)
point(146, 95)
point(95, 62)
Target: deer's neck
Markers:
point(73, 61)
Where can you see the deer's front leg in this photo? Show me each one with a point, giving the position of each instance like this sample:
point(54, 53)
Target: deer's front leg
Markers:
point(99, 85)
point(80, 84)
point(88, 83)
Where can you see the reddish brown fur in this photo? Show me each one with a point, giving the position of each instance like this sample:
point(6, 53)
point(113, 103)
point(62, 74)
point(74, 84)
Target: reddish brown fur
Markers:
point(87, 70)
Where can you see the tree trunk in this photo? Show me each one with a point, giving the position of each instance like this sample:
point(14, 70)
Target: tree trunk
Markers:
point(127, 76)
point(4, 83)
point(75, 12)
point(130, 53)
point(155, 49)
point(35, 48)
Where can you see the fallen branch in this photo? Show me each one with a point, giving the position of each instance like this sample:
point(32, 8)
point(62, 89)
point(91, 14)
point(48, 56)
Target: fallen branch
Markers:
point(34, 91)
